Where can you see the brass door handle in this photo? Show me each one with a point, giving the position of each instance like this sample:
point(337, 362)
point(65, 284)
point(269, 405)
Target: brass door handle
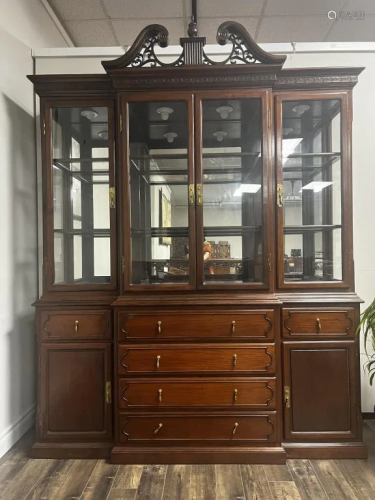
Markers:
point(160, 392)
point(319, 325)
point(159, 327)
point(234, 359)
point(234, 428)
point(235, 394)
point(233, 326)
point(158, 361)
point(158, 428)
point(287, 396)
point(76, 326)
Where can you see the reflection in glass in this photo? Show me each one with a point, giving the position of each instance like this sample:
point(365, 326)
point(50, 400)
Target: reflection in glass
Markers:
point(311, 159)
point(80, 195)
point(158, 143)
point(232, 191)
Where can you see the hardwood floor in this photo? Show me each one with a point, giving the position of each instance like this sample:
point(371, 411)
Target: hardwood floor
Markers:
point(24, 479)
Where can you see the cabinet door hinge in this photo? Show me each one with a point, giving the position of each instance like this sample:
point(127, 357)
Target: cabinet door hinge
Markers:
point(280, 195)
point(44, 127)
point(287, 399)
point(269, 262)
point(108, 393)
point(45, 262)
point(112, 197)
point(191, 195)
point(120, 123)
point(199, 194)
point(123, 264)
point(269, 118)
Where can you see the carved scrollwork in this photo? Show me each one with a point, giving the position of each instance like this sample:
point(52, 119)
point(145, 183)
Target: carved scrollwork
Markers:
point(122, 362)
point(123, 430)
point(266, 351)
point(269, 324)
point(272, 393)
point(123, 394)
point(350, 322)
point(269, 421)
point(142, 53)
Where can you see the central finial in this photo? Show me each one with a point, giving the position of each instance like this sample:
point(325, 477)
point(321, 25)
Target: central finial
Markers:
point(193, 30)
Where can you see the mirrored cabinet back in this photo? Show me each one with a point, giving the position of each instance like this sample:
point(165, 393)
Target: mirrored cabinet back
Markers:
point(198, 297)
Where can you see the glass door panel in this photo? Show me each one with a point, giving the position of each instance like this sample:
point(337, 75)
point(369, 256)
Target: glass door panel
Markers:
point(161, 220)
point(232, 178)
point(311, 165)
point(81, 174)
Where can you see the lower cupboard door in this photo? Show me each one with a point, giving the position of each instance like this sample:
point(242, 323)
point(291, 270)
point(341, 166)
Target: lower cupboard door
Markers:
point(74, 392)
point(234, 428)
point(320, 396)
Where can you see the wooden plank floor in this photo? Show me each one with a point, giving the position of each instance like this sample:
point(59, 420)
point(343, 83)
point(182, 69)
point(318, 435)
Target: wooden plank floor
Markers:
point(24, 479)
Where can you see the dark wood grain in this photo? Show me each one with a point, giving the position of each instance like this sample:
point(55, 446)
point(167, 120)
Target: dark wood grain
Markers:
point(151, 484)
point(278, 473)
point(125, 484)
point(27, 479)
point(333, 482)
point(255, 482)
point(229, 482)
point(298, 322)
point(76, 479)
point(51, 481)
point(14, 460)
point(100, 482)
point(360, 477)
point(308, 485)
point(284, 491)
point(75, 324)
point(202, 482)
point(177, 482)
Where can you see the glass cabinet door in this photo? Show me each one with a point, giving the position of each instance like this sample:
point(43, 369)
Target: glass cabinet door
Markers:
point(160, 187)
point(311, 156)
point(232, 248)
point(81, 156)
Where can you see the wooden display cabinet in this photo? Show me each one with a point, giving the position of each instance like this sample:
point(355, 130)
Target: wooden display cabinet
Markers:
point(198, 265)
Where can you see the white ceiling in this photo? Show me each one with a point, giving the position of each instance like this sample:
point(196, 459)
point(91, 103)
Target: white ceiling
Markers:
point(118, 22)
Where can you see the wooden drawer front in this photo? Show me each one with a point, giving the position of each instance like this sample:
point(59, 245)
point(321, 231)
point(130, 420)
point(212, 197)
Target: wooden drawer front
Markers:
point(174, 325)
point(240, 358)
point(162, 427)
point(75, 324)
point(338, 322)
point(161, 393)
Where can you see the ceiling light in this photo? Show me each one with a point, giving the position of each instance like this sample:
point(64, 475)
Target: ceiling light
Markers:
point(220, 134)
point(247, 188)
point(90, 114)
point(317, 186)
point(287, 130)
point(170, 136)
point(300, 108)
point(103, 134)
point(164, 112)
point(224, 111)
point(290, 145)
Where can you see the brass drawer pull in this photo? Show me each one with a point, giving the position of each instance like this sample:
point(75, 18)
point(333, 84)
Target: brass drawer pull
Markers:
point(319, 325)
point(234, 359)
point(160, 392)
point(233, 327)
point(158, 428)
point(159, 327)
point(235, 394)
point(234, 428)
point(158, 361)
point(76, 326)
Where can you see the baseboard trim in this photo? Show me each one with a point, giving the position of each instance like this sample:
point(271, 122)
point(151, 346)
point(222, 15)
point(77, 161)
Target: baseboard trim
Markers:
point(325, 451)
point(15, 431)
point(368, 415)
point(71, 450)
point(186, 455)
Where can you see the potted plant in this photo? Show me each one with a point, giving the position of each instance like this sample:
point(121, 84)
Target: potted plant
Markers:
point(367, 325)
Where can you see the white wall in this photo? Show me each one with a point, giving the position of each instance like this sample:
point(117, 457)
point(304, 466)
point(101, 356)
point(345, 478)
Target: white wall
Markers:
point(23, 25)
point(363, 168)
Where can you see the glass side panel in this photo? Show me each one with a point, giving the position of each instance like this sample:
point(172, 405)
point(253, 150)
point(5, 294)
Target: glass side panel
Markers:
point(232, 191)
point(158, 158)
point(311, 160)
point(81, 200)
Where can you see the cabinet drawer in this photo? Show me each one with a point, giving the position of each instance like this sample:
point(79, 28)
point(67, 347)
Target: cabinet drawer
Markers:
point(185, 358)
point(330, 322)
point(167, 427)
point(257, 324)
point(79, 324)
point(162, 393)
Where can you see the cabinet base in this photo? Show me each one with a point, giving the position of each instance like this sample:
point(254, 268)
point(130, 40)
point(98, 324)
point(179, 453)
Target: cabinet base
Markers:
point(185, 455)
point(71, 450)
point(323, 451)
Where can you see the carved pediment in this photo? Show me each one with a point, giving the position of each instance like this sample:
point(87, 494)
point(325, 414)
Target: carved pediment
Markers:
point(243, 50)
